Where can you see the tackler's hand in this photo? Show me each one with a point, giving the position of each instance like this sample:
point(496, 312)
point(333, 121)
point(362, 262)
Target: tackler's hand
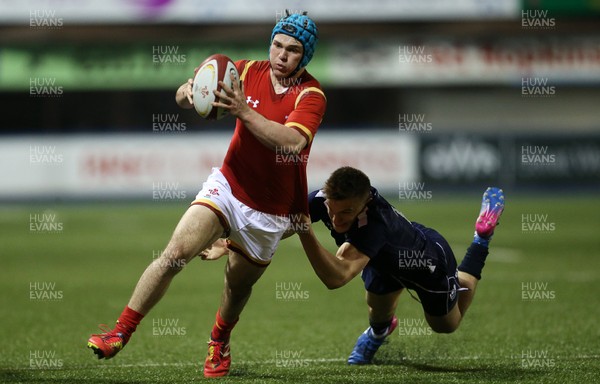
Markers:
point(300, 223)
point(217, 250)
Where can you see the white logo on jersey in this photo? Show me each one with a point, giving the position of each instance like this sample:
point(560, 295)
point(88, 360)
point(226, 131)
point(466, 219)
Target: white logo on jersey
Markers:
point(453, 292)
point(253, 102)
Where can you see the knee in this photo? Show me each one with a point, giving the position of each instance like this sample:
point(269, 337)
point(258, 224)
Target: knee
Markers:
point(444, 328)
point(173, 259)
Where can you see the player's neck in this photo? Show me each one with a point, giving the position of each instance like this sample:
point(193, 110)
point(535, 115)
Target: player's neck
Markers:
point(280, 85)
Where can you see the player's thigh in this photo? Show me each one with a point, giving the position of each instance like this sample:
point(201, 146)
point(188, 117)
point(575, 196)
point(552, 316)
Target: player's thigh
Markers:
point(197, 229)
point(240, 273)
point(447, 323)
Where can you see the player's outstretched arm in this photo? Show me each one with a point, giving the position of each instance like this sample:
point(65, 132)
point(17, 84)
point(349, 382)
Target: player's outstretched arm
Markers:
point(334, 271)
point(270, 133)
point(184, 95)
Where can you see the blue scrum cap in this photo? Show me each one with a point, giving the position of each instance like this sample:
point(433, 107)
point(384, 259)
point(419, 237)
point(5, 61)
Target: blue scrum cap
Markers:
point(302, 28)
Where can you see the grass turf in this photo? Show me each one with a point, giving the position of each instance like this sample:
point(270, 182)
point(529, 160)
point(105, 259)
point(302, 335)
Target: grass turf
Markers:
point(56, 286)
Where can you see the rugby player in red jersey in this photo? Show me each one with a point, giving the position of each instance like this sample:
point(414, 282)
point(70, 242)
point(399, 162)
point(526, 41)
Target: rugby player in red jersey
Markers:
point(279, 107)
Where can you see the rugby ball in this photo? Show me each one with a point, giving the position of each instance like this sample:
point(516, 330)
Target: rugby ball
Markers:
point(212, 70)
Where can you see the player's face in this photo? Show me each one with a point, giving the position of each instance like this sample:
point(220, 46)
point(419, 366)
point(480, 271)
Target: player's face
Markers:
point(343, 213)
point(285, 55)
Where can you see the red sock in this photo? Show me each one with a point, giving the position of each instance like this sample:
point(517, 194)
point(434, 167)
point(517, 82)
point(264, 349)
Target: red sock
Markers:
point(128, 322)
point(222, 329)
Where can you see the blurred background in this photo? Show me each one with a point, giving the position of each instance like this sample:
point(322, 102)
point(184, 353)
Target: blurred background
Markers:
point(423, 96)
point(435, 100)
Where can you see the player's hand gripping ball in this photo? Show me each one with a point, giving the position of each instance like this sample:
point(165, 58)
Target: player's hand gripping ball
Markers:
point(212, 70)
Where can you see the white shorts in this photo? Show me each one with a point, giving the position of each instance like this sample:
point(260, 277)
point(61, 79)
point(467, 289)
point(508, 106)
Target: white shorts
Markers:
point(251, 233)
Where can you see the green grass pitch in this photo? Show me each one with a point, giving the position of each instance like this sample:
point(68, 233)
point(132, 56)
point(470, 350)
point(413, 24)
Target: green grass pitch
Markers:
point(534, 318)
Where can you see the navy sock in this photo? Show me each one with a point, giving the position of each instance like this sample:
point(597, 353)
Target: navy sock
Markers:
point(380, 328)
point(485, 241)
point(474, 260)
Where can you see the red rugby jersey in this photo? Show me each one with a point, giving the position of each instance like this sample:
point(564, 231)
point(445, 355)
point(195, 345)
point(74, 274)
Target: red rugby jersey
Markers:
point(273, 181)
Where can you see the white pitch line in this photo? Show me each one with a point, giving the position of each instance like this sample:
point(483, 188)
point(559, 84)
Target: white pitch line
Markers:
point(322, 360)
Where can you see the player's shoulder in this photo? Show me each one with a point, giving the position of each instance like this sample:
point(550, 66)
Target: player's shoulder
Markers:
point(379, 206)
point(317, 196)
point(385, 211)
point(316, 205)
point(246, 66)
point(253, 65)
point(378, 201)
point(309, 80)
point(309, 87)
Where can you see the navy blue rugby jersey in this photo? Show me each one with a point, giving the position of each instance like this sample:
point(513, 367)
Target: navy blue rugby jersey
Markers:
point(394, 244)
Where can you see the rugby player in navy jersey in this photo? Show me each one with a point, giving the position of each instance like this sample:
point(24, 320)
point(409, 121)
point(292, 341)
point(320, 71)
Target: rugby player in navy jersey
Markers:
point(393, 254)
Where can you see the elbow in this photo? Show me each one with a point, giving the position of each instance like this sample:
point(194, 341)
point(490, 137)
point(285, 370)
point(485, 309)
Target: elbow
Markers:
point(299, 145)
point(335, 283)
point(292, 147)
point(295, 144)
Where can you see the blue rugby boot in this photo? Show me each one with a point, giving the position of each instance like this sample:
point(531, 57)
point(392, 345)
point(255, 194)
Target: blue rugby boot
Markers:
point(367, 344)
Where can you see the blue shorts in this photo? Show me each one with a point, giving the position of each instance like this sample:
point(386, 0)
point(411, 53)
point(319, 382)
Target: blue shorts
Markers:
point(437, 291)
